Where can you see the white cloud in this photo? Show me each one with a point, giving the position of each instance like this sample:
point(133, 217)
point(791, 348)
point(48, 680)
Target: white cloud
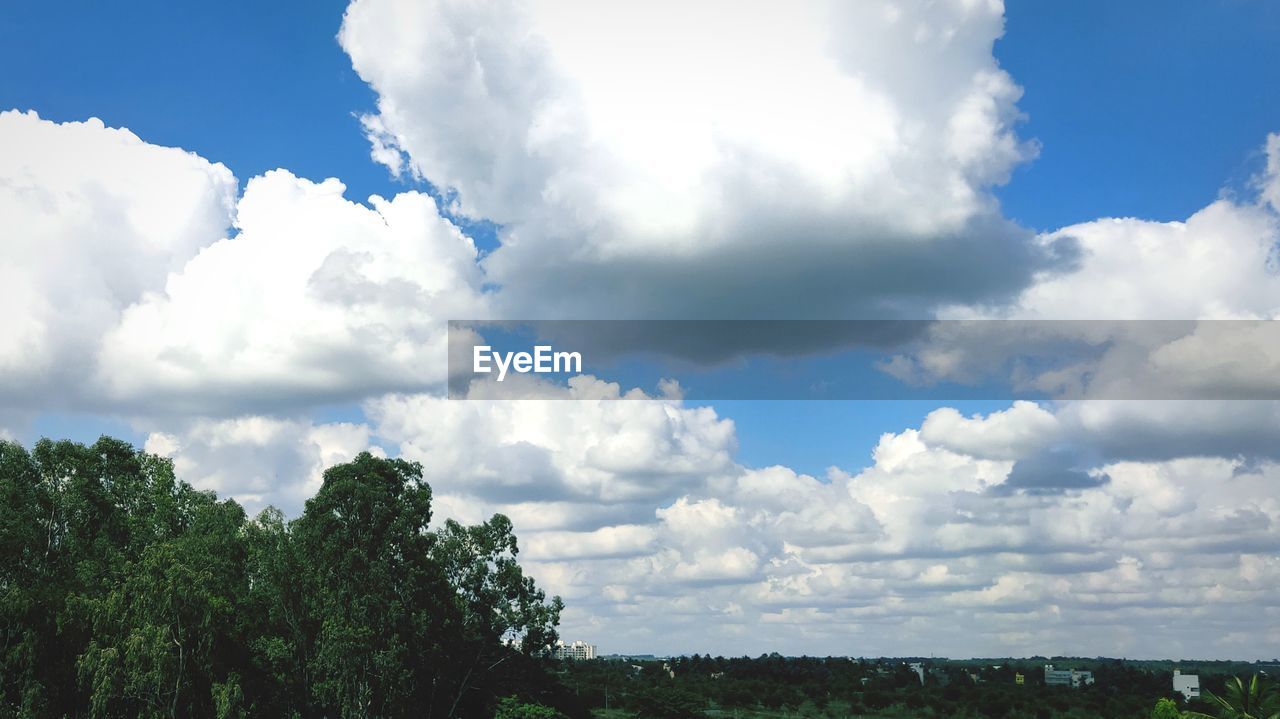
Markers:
point(679, 541)
point(1015, 432)
point(865, 136)
point(260, 461)
point(94, 219)
point(1216, 274)
point(571, 448)
point(637, 512)
point(316, 298)
point(837, 158)
point(1218, 264)
point(1270, 181)
point(129, 294)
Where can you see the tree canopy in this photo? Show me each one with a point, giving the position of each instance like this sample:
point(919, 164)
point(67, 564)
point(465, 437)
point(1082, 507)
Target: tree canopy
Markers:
point(125, 592)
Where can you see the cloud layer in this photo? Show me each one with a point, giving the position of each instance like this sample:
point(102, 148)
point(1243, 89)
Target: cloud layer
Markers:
point(846, 171)
point(819, 159)
point(95, 218)
point(990, 535)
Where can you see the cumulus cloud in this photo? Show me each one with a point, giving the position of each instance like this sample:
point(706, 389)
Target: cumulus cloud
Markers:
point(139, 281)
point(576, 446)
point(1202, 296)
point(1217, 264)
point(823, 159)
point(1019, 570)
point(747, 167)
point(316, 298)
point(95, 218)
point(260, 461)
point(639, 514)
point(1016, 432)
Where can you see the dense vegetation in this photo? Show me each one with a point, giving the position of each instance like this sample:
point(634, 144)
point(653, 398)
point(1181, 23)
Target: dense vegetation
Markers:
point(838, 688)
point(127, 593)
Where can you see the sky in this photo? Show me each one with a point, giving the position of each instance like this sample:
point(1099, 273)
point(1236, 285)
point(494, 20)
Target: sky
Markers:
point(230, 306)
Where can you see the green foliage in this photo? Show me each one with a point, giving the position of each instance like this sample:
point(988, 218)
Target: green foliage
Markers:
point(512, 708)
point(661, 702)
point(772, 686)
point(1240, 700)
point(1166, 709)
point(127, 593)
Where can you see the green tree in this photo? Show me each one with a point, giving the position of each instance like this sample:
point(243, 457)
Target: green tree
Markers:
point(406, 618)
point(1166, 709)
point(127, 593)
point(32, 576)
point(667, 703)
point(373, 592)
point(276, 618)
point(164, 639)
point(501, 613)
point(1240, 700)
point(512, 708)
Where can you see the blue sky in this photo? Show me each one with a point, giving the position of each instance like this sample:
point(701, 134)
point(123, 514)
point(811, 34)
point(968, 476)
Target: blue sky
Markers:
point(1144, 109)
point(846, 170)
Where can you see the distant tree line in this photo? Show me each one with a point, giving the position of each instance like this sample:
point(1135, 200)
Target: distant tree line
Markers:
point(127, 593)
point(842, 688)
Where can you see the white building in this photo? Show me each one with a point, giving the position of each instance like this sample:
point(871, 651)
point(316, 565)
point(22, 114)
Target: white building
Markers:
point(1188, 685)
point(1066, 677)
point(577, 650)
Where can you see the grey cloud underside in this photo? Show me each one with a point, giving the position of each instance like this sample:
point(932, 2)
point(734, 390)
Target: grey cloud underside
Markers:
point(782, 270)
point(1050, 472)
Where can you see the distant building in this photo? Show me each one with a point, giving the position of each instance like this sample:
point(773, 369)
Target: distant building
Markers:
point(1066, 677)
point(918, 668)
point(1188, 685)
point(577, 650)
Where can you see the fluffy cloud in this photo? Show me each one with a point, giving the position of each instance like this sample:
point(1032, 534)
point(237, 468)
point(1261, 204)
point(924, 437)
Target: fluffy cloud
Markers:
point(316, 298)
point(1201, 295)
point(131, 295)
point(639, 515)
point(929, 548)
point(260, 461)
point(94, 219)
point(818, 149)
point(1010, 434)
point(1220, 263)
point(577, 459)
point(938, 556)
point(837, 161)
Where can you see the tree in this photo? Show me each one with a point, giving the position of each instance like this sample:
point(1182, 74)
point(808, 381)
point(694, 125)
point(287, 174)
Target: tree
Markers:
point(1166, 709)
point(372, 591)
point(500, 609)
point(127, 593)
point(406, 618)
point(164, 639)
point(661, 702)
point(1255, 700)
point(512, 708)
